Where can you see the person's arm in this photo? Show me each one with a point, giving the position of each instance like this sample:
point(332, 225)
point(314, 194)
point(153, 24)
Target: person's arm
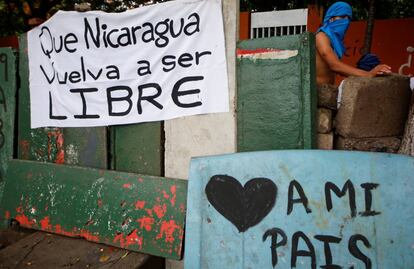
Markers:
point(323, 46)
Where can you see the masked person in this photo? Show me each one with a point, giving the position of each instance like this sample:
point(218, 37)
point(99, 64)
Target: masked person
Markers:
point(330, 47)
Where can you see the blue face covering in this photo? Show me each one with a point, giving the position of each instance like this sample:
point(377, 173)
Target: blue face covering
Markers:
point(336, 30)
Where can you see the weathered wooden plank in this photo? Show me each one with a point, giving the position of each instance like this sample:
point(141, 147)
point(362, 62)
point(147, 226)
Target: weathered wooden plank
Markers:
point(300, 209)
point(138, 148)
point(86, 147)
point(136, 212)
point(7, 112)
point(41, 144)
point(38, 251)
point(276, 98)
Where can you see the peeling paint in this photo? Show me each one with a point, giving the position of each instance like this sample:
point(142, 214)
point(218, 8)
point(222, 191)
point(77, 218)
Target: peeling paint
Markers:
point(127, 185)
point(265, 54)
point(167, 230)
point(139, 204)
point(173, 190)
point(45, 224)
point(165, 194)
point(146, 222)
point(103, 207)
point(55, 141)
point(131, 239)
point(160, 210)
point(24, 149)
point(72, 154)
point(25, 221)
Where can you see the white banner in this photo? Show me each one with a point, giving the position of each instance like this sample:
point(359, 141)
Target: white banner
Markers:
point(152, 63)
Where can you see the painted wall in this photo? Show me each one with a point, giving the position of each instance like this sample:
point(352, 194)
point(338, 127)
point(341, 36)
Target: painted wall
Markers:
point(244, 32)
point(391, 39)
point(205, 134)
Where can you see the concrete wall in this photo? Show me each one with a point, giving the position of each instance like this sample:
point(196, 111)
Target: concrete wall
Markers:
point(371, 115)
point(205, 134)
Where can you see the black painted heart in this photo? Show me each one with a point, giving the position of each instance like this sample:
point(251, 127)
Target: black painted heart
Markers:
point(245, 206)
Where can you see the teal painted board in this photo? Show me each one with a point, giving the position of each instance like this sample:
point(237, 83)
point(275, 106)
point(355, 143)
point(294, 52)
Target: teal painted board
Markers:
point(41, 144)
point(136, 212)
point(300, 209)
point(276, 95)
point(7, 111)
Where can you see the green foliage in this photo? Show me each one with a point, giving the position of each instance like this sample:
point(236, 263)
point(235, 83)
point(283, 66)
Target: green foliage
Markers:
point(385, 9)
point(11, 18)
point(18, 16)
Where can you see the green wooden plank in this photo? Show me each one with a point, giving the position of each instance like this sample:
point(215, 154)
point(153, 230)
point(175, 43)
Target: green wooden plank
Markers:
point(7, 113)
point(41, 144)
point(310, 97)
point(276, 99)
point(136, 212)
point(86, 146)
point(138, 148)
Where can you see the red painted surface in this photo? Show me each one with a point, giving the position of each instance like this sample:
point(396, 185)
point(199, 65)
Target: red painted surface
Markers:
point(139, 204)
point(9, 41)
point(167, 231)
point(173, 190)
point(87, 235)
point(182, 208)
point(132, 239)
point(160, 210)
point(20, 210)
point(255, 51)
point(165, 194)
point(24, 149)
point(244, 25)
point(315, 17)
point(391, 38)
point(127, 185)
point(149, 211)
point(146, 222)
point(25, 221)
point(76, 233)
point(45, 224)
point(55, 140)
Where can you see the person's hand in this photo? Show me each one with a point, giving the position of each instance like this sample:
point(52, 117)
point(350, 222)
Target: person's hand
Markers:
point(380, 69)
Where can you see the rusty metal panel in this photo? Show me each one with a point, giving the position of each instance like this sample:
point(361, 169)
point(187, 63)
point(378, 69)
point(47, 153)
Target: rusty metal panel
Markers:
point(300, 209)
point(7, 111)
point(131, 211)
point(41, 144)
